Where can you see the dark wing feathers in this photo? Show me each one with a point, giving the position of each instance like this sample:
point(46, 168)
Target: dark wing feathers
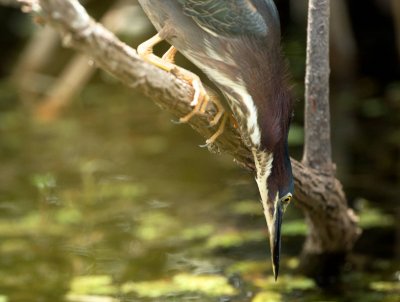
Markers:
point(226, 17)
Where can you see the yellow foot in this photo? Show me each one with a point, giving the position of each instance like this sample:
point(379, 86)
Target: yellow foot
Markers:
point(145, 51)
point(200, 99)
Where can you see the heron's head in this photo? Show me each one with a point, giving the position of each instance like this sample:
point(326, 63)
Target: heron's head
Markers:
point(276, 189)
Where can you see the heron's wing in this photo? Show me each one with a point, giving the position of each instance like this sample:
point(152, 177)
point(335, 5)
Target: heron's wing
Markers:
point(227, 17)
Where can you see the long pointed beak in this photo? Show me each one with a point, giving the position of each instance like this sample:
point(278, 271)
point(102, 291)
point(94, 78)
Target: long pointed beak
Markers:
point(275, 238)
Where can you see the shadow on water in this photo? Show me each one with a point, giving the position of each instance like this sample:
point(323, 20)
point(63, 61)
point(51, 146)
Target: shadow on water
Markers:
point(113, 202)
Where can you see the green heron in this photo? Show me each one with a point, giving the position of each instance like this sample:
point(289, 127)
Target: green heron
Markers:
point(236, 43)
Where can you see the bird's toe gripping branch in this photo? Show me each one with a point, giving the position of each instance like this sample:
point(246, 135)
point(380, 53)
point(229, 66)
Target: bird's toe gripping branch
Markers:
point(201, 100)
point(200, 97)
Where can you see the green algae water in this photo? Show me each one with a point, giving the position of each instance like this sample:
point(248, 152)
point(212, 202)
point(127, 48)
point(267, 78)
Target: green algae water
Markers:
point(113, 202)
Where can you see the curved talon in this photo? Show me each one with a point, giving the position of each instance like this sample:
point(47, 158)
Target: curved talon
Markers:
point(176, 122)
point(217, 118)
point(214, 137)
point(205, 145)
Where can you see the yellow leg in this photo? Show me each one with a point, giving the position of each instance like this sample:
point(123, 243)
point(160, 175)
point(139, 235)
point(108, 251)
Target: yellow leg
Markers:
point(169, 56)
point(145, 51)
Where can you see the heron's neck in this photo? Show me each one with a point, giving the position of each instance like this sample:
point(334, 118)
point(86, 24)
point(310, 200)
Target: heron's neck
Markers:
point(263, 162)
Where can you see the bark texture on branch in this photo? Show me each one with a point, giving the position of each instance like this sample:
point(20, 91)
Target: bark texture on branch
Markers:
point(329, 223)
point(317, 144)
point(332, 224)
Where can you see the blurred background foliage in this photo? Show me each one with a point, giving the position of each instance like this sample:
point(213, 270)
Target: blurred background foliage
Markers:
point(102, 198)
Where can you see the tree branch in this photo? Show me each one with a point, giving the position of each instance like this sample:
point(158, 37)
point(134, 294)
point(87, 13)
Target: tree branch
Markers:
point(332, 225)
point(333, 230)
point(317, 147)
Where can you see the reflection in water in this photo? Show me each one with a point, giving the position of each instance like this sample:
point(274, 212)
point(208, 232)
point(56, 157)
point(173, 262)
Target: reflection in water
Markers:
point(114, 201)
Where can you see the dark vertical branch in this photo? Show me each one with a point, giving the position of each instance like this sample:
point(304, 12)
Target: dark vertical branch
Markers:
point(328, 240)
point(396, 19)
point(317, 149)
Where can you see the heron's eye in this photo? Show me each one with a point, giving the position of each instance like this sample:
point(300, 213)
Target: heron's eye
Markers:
point(286, 200)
